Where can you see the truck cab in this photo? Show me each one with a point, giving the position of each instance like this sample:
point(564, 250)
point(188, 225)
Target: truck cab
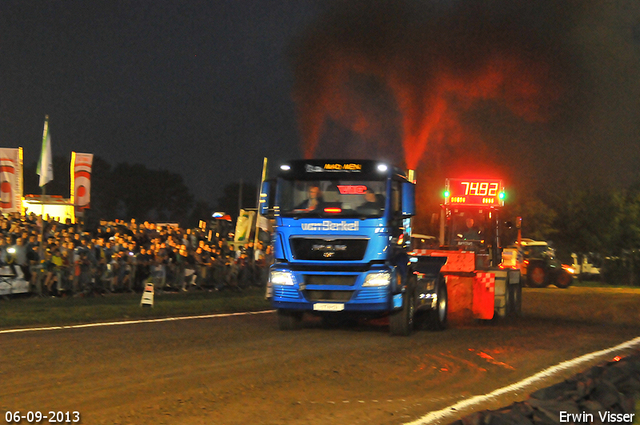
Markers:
point(341, 240)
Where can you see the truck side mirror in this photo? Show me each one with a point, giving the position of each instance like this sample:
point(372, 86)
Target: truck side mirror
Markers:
point(408, 199)
point(264, 198)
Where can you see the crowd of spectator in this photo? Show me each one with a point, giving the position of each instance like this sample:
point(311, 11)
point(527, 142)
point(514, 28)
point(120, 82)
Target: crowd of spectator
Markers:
point(61, 259)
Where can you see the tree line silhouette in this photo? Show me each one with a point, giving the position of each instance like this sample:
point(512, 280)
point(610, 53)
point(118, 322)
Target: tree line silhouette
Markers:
point(126, 191)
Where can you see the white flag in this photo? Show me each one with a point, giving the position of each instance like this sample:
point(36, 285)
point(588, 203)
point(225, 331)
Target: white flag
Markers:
point(45, 164)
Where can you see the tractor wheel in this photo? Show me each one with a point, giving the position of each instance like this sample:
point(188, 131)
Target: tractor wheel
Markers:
point(514, 307)
point(563, 279)
point(437, 319)
point(536, 276)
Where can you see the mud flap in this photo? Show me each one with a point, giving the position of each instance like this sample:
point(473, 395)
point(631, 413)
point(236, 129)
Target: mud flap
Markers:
point(484, 296)
point(501, 293)
point(460, 294)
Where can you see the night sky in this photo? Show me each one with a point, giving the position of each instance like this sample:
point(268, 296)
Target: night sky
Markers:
point(208, 88)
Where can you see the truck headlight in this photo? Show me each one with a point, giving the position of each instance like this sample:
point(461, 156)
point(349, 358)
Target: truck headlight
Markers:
point(377, 279)
point(281, 278)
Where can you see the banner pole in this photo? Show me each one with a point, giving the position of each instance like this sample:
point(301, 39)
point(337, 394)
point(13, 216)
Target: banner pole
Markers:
point(262, 179)
point(42, 221)
point(72, 188)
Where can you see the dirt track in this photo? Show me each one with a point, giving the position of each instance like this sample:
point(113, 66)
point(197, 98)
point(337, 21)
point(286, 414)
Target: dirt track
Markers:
point(240, 370)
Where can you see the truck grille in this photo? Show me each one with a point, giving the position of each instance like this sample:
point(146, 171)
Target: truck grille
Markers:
point(328, 250)
point(285, 292)
point(313, 279)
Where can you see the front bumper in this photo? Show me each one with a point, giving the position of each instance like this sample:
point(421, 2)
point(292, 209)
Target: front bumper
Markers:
point(313, 289)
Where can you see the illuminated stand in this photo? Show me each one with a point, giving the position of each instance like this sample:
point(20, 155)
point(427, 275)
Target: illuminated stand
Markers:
point(52, 206)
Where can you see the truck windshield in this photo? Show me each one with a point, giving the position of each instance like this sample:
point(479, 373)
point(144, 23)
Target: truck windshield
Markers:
point(331, 198)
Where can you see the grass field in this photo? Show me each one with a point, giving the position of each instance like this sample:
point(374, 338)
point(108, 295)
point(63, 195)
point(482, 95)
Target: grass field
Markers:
point(596, 305)
point(24, 311)
point(29, 311)
point(598, 284)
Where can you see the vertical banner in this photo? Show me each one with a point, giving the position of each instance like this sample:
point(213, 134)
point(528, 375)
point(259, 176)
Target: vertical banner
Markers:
point(81, 164)
point(243, 226)
point(11, 180)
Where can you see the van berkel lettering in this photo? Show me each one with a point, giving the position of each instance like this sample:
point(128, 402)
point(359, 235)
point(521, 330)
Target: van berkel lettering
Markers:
point(328, 225)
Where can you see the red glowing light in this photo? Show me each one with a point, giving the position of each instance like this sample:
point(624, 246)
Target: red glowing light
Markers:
point(617, 358)
point(333, 210)
point(352, 189)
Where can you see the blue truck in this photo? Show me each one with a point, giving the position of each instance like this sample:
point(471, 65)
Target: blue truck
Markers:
point(342, 246)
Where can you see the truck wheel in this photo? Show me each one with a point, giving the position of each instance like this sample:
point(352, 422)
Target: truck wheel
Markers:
point(536, 276)
point(401, 321)
point(289, 320)
point(563, 279)
point(437, 319)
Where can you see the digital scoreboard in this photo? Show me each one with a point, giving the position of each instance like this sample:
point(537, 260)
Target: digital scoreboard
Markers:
point(474, 192)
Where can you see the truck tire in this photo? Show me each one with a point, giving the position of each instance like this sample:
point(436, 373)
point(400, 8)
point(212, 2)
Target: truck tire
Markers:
point(437, 318)
point(401, 321)
point(563, 279)
point(537, 276)
point(289, 320)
